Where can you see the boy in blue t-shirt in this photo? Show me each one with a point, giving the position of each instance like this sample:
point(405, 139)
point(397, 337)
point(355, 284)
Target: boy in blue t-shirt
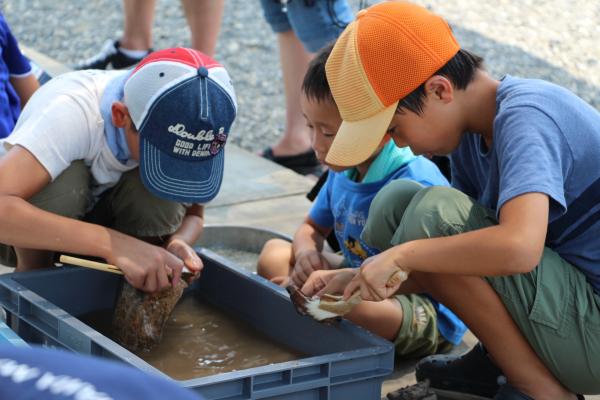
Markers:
point(17, 81)
point(342, 206)
point(515, 251)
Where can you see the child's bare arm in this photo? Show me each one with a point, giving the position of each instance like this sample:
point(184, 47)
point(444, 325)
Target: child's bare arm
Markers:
point(26, 226)
point(309, 236)
point(307, 249)
point(514, 246)
point(25, 86)
point(188, 233)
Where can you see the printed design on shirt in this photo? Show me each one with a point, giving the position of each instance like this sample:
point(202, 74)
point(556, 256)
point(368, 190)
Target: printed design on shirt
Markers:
point(66, 386)
point(357, 218)
point(355, 247)
point(419, 316)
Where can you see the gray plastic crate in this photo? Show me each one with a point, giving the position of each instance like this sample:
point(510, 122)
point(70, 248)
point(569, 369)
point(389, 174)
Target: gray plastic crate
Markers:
point(344, 362)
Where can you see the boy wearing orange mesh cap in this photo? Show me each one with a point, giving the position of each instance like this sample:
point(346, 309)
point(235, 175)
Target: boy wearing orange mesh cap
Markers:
point(514, 252)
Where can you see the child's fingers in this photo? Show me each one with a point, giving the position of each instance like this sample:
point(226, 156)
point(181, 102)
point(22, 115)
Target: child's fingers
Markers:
point(303, 272)
point(368, 292)
point(175, 264)
point(324, 264)
point(162, 279)
point(313, 284)
point(193, 262)
point(327, 289)
point(299, 277)
point(150, 284)
point(314, 259)
point(352, 287)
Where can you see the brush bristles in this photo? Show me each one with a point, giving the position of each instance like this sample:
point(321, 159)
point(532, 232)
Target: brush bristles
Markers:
point(313, 309)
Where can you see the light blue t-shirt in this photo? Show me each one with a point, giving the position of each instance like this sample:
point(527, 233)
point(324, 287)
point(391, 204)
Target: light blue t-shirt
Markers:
point(546, 140)
point(343, 205)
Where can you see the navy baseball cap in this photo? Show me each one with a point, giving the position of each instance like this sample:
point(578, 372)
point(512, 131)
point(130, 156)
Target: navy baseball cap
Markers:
point(183, 104)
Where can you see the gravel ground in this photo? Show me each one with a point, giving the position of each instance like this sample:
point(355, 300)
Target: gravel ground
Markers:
point(554, 40)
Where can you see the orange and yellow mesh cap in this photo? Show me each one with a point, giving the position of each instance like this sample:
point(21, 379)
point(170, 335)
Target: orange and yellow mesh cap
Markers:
point(386, 53)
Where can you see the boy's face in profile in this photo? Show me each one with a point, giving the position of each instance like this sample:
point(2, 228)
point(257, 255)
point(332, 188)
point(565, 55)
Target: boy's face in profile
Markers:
point(323, 120)
point(436, 131)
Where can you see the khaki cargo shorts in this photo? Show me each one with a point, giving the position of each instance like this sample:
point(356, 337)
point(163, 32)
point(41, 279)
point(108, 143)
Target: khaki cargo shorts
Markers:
point(127, 207)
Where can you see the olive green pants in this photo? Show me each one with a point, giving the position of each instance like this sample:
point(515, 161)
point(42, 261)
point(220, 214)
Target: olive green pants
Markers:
point(554, 306)
point(127, 207)
point(419, 335)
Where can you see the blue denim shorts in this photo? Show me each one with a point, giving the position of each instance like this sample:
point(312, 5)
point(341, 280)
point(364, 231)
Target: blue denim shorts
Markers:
point(316, 23)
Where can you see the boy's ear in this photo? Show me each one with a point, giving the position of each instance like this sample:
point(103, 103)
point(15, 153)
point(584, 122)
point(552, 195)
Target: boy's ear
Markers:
point(120, 114)
point(440, 88)
point(386, 138)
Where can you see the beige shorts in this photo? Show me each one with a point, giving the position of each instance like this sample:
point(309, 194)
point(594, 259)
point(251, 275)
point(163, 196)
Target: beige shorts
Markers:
point(127, 207)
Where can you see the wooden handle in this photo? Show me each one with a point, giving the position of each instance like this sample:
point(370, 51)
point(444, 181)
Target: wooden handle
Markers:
point(100, 266)
point(90, 264)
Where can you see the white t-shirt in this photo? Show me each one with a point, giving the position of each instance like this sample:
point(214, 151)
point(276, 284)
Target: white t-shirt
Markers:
point(62, 123)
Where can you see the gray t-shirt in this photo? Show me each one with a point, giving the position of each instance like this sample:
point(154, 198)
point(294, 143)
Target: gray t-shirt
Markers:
point(546, 140)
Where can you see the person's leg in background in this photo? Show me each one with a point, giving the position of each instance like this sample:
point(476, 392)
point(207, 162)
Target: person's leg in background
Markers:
point(137, 30)
point(204, 19)
point(303, 27)
point(294, 62)
point(134, 44)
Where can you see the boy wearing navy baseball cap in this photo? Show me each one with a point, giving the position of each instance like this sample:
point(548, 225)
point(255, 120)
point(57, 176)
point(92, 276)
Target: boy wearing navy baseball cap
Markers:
point(118, 165)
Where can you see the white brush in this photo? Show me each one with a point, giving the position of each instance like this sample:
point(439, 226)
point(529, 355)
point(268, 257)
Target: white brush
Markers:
point(330, 306)
point(313, 309)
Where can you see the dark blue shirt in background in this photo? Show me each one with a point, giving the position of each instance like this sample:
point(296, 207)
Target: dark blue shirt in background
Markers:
point(48, 374)
point(12, 63)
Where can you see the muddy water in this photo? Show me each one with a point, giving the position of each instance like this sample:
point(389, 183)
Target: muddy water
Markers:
point(245, 259)
point(199, 340)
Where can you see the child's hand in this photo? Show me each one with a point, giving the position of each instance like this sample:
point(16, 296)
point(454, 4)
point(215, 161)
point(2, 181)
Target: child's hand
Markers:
point(306, 262)
point(328, 281)
point(146, 267)
point(380, 277)
point(185, 252)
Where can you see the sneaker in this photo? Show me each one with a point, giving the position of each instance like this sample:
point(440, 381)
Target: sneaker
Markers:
point(470, 376)
point(109, 55)
point(40, 74)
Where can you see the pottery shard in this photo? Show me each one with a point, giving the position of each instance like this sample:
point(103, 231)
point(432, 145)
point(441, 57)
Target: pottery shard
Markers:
point(140, 317)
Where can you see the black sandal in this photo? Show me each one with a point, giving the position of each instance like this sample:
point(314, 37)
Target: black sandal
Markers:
point(303, 163)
